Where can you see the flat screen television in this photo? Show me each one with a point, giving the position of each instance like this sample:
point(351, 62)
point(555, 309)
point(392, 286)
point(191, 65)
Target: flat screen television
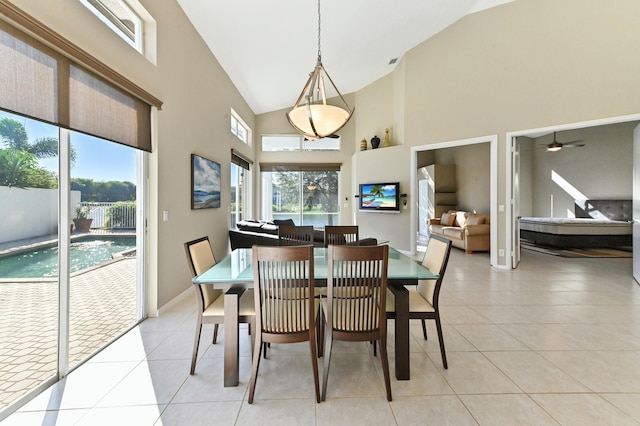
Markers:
point(379, 196)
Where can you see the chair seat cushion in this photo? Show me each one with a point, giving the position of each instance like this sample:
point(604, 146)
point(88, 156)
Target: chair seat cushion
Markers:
point(417, 303)
point(246, 306)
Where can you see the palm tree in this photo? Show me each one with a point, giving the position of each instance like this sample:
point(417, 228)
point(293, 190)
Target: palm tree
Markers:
point(14, 135)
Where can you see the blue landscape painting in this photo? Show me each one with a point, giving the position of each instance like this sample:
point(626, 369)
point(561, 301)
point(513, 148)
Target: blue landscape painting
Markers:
point(205, 183)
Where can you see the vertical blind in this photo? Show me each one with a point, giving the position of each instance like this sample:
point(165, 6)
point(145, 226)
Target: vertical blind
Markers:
point(62, 84)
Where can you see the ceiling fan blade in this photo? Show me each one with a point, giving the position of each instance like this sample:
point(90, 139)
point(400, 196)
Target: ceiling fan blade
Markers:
point(577, 143)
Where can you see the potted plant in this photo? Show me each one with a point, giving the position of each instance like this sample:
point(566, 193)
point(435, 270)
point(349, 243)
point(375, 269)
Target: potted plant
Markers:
point(82, 222)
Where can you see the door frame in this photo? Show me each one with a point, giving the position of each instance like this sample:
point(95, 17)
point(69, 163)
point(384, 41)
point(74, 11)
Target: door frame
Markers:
point(636, 204)
point(493, 183)
point(510, 171)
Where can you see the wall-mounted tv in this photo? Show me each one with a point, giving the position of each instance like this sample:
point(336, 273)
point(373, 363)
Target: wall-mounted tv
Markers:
point(379, 196)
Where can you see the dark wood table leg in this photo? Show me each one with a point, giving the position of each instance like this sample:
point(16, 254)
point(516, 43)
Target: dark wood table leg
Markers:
point(231, 336)
point(403, 366)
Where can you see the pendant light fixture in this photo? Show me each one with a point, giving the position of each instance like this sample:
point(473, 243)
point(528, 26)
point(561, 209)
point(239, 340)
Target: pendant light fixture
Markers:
point(311, 115)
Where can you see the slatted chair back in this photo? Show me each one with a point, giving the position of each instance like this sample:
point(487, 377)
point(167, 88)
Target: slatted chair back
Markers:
point(291, 235)
point(341, 235)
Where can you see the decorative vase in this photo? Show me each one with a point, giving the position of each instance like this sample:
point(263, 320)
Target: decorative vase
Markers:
point(386, 138)
point(375, 142)
point(363, 144)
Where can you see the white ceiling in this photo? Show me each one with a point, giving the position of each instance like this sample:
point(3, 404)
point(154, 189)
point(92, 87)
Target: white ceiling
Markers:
point(269, 47)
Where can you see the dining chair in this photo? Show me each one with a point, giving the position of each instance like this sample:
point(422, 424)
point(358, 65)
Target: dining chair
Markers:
point(341, 235)
point(211, 301)
point(424, 297)
point(354, 306)
point(292, 235)
point(284, 304)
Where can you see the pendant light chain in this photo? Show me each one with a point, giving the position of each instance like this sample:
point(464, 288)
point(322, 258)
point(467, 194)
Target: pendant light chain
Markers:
point(319, 53)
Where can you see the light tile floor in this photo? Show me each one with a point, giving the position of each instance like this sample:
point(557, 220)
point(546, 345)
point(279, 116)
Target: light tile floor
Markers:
point(556, 341)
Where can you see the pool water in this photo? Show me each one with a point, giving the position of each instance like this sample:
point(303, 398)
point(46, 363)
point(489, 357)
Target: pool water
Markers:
point(43, 263)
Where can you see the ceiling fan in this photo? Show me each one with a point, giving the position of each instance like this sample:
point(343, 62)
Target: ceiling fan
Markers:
point(557, 146)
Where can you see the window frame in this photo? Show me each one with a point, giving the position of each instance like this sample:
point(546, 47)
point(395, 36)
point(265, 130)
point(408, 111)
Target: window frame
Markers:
point(236, 123)
point(241, 166)
point(267, 194)
point(303, 144)
point(133, 37)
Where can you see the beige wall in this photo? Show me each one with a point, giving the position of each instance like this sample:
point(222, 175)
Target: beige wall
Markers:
point(380, 166)
point(197, 96)
point(523, 65)
point(472, 175)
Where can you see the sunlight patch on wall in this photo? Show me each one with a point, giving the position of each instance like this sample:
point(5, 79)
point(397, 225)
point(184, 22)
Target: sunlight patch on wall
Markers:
point(566, 186)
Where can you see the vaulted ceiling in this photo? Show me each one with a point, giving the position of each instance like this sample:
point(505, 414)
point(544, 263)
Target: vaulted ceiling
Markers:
point(269, 47)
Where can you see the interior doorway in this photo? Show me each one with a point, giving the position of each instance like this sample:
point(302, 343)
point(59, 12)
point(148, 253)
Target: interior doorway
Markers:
point(573, 176)
point(490, 165)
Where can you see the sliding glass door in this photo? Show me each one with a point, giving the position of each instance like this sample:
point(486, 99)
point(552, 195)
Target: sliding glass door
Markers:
point(102, 297)
point(28, 255)
point(69, 250)
point(309, 197)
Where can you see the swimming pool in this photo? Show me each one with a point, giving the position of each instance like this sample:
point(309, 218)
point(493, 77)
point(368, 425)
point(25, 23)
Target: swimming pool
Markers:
point(43, 262)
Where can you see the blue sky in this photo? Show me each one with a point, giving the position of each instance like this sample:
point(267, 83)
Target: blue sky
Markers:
point(95, 158)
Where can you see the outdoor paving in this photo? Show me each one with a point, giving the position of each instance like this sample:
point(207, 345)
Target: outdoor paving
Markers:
point(102, 306)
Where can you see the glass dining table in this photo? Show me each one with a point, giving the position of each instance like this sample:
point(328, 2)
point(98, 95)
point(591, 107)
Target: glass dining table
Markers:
point(234, 274)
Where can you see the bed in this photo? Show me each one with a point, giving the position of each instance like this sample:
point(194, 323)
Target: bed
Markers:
point(598, 223)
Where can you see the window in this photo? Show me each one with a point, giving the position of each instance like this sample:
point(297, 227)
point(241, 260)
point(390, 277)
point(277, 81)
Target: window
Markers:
point(118, 16)
point(240, 128)
point(308, 194)
point(240, 182)
point(297, 143)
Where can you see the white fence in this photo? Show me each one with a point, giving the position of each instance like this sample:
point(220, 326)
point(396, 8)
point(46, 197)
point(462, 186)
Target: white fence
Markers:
point(33, 212)
point(123, 214)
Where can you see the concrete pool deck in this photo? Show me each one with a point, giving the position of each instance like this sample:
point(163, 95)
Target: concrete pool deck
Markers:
point(102, 306)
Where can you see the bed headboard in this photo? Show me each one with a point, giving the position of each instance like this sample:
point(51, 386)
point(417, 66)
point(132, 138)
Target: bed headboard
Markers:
point(604, 209)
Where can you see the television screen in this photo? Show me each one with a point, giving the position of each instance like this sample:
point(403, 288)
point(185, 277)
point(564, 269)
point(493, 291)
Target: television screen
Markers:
point(380, 196)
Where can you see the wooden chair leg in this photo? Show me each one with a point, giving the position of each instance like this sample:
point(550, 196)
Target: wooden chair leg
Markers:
point(384, 359)
point(215, 333)
point(255, 367)
point(314, 362)
point(442, 352)
point(252, 333)
point(327, 361)
point(424, 329)
point(196, 343)
point(320, 332)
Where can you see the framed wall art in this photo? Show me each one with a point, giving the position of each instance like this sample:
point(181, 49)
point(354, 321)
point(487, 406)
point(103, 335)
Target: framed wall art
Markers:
point(205, 183)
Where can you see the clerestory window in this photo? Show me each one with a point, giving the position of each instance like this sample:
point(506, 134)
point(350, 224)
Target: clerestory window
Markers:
point(121, 18)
